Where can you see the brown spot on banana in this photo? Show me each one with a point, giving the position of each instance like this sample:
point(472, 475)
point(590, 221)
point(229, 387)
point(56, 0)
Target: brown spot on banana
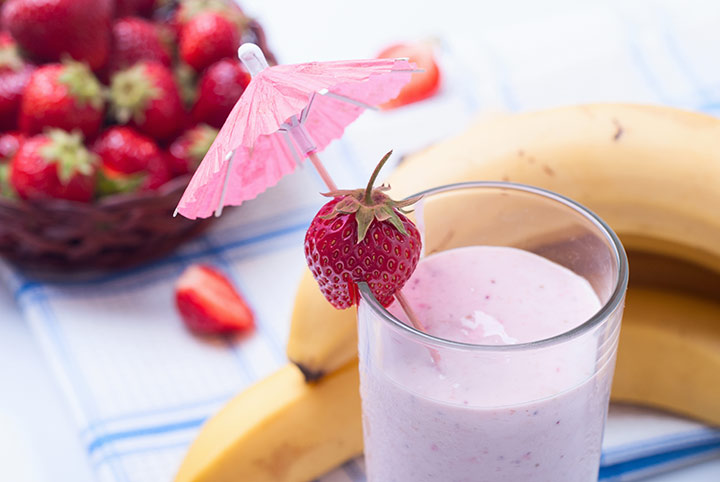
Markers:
point(619, 131)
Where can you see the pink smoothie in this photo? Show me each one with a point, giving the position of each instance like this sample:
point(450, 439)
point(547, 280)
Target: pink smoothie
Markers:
point(478, 415)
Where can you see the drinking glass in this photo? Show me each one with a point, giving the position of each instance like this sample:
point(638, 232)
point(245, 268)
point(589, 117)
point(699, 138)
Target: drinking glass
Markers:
point(536, 410)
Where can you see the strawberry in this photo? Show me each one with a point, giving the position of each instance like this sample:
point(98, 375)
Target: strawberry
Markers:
point(361, 235)
point(219, 88)
point(126, 8)
point(186, 152)
point(14, 75)
point(208, 302)
point(189, 9)
point(147, 97)
point(54, 165)
point(67, 96)
point(47, 29)
point(136, 39)
point(130, 162)
point(207, 38)
point(186, 80)
point(10, 142)
point(422, 85)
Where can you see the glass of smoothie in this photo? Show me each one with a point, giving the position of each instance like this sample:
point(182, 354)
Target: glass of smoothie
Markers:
point(519, 294)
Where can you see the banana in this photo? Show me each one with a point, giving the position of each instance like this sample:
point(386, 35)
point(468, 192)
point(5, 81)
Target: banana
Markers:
point(286, 430)
point(281, 429)
point(321, 338)
point(669, 354)
point(651, 172)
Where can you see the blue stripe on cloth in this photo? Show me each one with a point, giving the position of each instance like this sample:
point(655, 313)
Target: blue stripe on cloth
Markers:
point(711, 109)
point(143, 432)
point(73, 374)
point(246, 369)
point(97, 282)
point(615, 472)
point(141, 450)
point(262, 327)
point(693, 438)
point(166, 410)
point(37, 292)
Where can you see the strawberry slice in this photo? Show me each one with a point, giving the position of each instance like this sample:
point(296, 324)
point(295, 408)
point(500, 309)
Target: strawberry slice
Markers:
point(422, 85)
point(208, 302)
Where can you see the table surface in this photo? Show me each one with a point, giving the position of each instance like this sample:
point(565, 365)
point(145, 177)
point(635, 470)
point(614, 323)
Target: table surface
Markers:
point(38, 441)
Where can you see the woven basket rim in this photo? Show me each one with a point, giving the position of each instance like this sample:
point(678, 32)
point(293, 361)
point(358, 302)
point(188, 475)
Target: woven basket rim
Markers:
point(114, 201)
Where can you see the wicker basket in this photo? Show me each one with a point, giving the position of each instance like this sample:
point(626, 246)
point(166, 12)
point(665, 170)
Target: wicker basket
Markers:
point(116, 232)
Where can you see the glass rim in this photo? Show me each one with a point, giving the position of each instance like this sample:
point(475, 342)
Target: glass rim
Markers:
point(598, 318)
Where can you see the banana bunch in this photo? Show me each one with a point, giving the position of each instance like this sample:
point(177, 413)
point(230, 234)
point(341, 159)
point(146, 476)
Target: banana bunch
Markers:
point(653, 173)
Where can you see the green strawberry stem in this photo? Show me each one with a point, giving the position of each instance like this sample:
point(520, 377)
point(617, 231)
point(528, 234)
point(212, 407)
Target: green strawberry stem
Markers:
point(67, 151)
point(368, 189)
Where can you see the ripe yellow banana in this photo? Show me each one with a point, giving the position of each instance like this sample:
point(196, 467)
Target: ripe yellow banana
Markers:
point(281, 429)
point(286, 430)
point(669, 353)
point(322, 338)
point(653, 173)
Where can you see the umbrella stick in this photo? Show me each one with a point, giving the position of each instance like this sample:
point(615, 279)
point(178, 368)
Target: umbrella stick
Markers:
point(323, 173)
point(409, 311)
point(317, 163)
point(400, 297)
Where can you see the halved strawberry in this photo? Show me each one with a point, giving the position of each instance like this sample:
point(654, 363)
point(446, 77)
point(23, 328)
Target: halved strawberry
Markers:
point(422, 85)
point(208, 302)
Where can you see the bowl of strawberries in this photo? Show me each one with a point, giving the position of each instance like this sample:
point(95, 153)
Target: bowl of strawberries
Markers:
point(106, 109)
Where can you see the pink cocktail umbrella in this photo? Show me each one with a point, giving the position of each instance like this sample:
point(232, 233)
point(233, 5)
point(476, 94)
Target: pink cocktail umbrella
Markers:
point(286, 114)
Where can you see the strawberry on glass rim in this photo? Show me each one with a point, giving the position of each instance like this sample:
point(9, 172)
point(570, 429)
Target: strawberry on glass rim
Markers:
point(362, 235)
